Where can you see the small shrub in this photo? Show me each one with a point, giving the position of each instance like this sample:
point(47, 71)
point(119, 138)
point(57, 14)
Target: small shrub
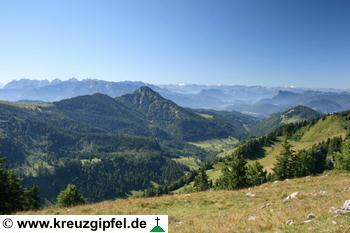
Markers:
point(70, 197)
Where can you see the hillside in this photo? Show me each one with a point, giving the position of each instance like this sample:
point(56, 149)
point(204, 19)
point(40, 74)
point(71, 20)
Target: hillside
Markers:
point(182, 123)
point(86, 141)
point(292, 115)
point(233, 211)
point(305, 136)
point(328, 127)
point(51, 148)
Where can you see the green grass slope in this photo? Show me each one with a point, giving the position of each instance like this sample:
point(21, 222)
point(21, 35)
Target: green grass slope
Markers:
point(330, 126)
point(327, 127)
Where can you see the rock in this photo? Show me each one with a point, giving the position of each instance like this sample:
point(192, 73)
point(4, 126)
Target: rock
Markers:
point(323, 193)
point(311, 216)
point(291, 196)
point(178, 224)
point(252, 218)
point(290, 222)
point(250, 194)
point(346, 206)
point(335, 211)
point(265, 205)
point(275, 182)
point(308, 221)
point(187, 195)
point(334, 222)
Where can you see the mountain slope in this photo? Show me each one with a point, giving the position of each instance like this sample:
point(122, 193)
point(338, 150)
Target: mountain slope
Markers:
point(292, 115)
point(233, 211)
point(104, 113)
point(182, 123)
point(301, 136)
point(87, 141)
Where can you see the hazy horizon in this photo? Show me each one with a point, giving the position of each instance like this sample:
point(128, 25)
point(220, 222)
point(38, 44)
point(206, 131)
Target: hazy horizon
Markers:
point(179, 84)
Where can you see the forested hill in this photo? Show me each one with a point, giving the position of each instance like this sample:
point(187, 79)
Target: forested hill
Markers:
point(51, 149)
point(182, 123)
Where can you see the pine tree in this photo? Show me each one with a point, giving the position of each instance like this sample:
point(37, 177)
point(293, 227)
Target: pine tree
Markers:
point(234, 174)
point(282, 168)
point(201, 182)
point(256, 174)
point(342, 159)
point(14, 197)
point(70, 197)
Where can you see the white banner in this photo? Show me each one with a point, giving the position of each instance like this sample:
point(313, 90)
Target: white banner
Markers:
point(83, 223)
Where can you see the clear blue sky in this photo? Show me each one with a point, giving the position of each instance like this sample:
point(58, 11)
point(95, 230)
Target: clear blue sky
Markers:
point(262, 42)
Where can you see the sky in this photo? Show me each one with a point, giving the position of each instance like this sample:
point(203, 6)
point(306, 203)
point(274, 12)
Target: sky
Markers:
point(304, 43)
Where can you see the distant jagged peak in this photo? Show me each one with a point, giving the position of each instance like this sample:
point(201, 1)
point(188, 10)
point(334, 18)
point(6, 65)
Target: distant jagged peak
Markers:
point(73, 79)
point(55, 81)
point(25, 83)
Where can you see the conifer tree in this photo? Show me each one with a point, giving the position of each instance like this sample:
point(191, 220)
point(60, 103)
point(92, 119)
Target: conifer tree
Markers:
point(234, 174)
point(256, 174)
point(283, 167)
point(14, 197)
point(342, 159)
point(201, 182)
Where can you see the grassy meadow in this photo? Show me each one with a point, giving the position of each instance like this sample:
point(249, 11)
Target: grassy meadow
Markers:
point(233, 211)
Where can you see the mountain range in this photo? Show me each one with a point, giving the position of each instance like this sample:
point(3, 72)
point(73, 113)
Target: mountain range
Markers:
point(254, 100)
